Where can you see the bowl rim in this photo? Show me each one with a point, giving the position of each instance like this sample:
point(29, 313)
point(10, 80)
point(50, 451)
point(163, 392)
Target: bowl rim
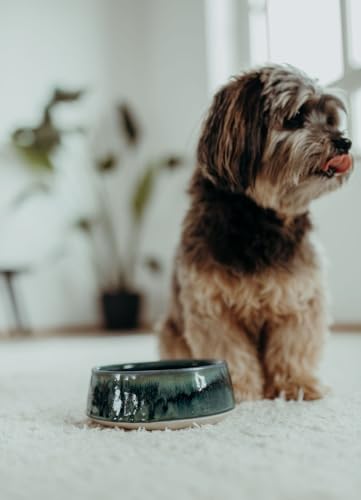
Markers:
point(196, 365)
point(161, 424)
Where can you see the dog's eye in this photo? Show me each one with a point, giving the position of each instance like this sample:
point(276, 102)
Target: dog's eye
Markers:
point(296, 121)
point(331, 120)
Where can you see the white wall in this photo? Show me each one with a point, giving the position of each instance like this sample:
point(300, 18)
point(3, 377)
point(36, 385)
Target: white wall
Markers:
point(227, 40)
point(150, 53)
point(162, 69)
point(42, 44)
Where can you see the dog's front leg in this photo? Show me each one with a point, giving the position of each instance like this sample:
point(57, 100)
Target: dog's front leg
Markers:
point(292, 350)
point(218, 338)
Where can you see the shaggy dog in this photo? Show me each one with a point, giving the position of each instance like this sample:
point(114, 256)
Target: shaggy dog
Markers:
point(247, 284)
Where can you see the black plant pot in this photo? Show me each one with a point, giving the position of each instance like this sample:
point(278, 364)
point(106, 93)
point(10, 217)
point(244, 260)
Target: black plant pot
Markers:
point(121, 310)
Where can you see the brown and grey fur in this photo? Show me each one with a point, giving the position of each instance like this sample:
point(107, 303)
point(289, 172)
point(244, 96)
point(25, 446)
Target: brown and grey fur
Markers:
point(247, 284)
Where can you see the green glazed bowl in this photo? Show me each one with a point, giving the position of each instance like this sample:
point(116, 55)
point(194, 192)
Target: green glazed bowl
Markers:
point(161, 394)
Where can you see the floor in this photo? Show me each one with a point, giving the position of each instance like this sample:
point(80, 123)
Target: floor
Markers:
point(268, 449)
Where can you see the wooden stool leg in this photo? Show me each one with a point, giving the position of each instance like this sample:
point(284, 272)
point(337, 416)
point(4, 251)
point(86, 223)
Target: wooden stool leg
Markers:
point(9, 282)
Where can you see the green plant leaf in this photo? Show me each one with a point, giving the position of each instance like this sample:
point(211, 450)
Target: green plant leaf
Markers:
point(47, 137)
point(60, 96)
point(153, 264)
point(144, 187)
point(39, 160)
point(173, 162)
point(84, 225)
point(128, 124)
point(107, 163)
point(142, 192)
point(43, 139)
point(23, 137)
point(36, 144)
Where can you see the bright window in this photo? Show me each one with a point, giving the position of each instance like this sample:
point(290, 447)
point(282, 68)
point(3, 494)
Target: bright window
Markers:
point(322, 37)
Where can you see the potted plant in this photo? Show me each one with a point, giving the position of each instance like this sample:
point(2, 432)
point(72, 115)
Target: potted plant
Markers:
point(119, 299)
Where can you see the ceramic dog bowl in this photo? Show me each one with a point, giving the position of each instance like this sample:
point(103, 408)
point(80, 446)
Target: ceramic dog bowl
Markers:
point(162, 394)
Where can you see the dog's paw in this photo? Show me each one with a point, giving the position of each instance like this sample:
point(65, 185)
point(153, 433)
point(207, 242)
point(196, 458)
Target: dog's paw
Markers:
point(247, 391)
point(297, 388)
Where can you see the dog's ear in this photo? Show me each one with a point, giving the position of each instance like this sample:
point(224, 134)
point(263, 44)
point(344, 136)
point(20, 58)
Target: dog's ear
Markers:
point(232, 140)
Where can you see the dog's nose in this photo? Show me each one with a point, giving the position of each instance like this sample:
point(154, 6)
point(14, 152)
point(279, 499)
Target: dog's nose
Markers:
point(343, 144)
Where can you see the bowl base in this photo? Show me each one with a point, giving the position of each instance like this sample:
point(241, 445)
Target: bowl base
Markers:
point(166, 424)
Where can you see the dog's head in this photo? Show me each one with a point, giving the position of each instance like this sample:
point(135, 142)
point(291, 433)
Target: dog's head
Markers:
point(274, 134)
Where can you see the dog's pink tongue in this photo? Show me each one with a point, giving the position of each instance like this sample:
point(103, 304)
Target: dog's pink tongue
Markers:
point(340, 163)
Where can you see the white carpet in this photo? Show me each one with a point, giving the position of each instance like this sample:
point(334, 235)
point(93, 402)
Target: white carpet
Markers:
point(265, 450)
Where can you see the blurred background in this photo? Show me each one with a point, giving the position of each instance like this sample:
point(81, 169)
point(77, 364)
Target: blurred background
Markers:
point(101, 104)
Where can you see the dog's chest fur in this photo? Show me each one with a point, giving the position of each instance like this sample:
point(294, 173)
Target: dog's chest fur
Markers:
point(274, 293)
point(253, 300)
point(242, 261)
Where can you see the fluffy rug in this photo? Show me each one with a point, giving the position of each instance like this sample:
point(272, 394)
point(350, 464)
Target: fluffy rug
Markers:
point(264, 450)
